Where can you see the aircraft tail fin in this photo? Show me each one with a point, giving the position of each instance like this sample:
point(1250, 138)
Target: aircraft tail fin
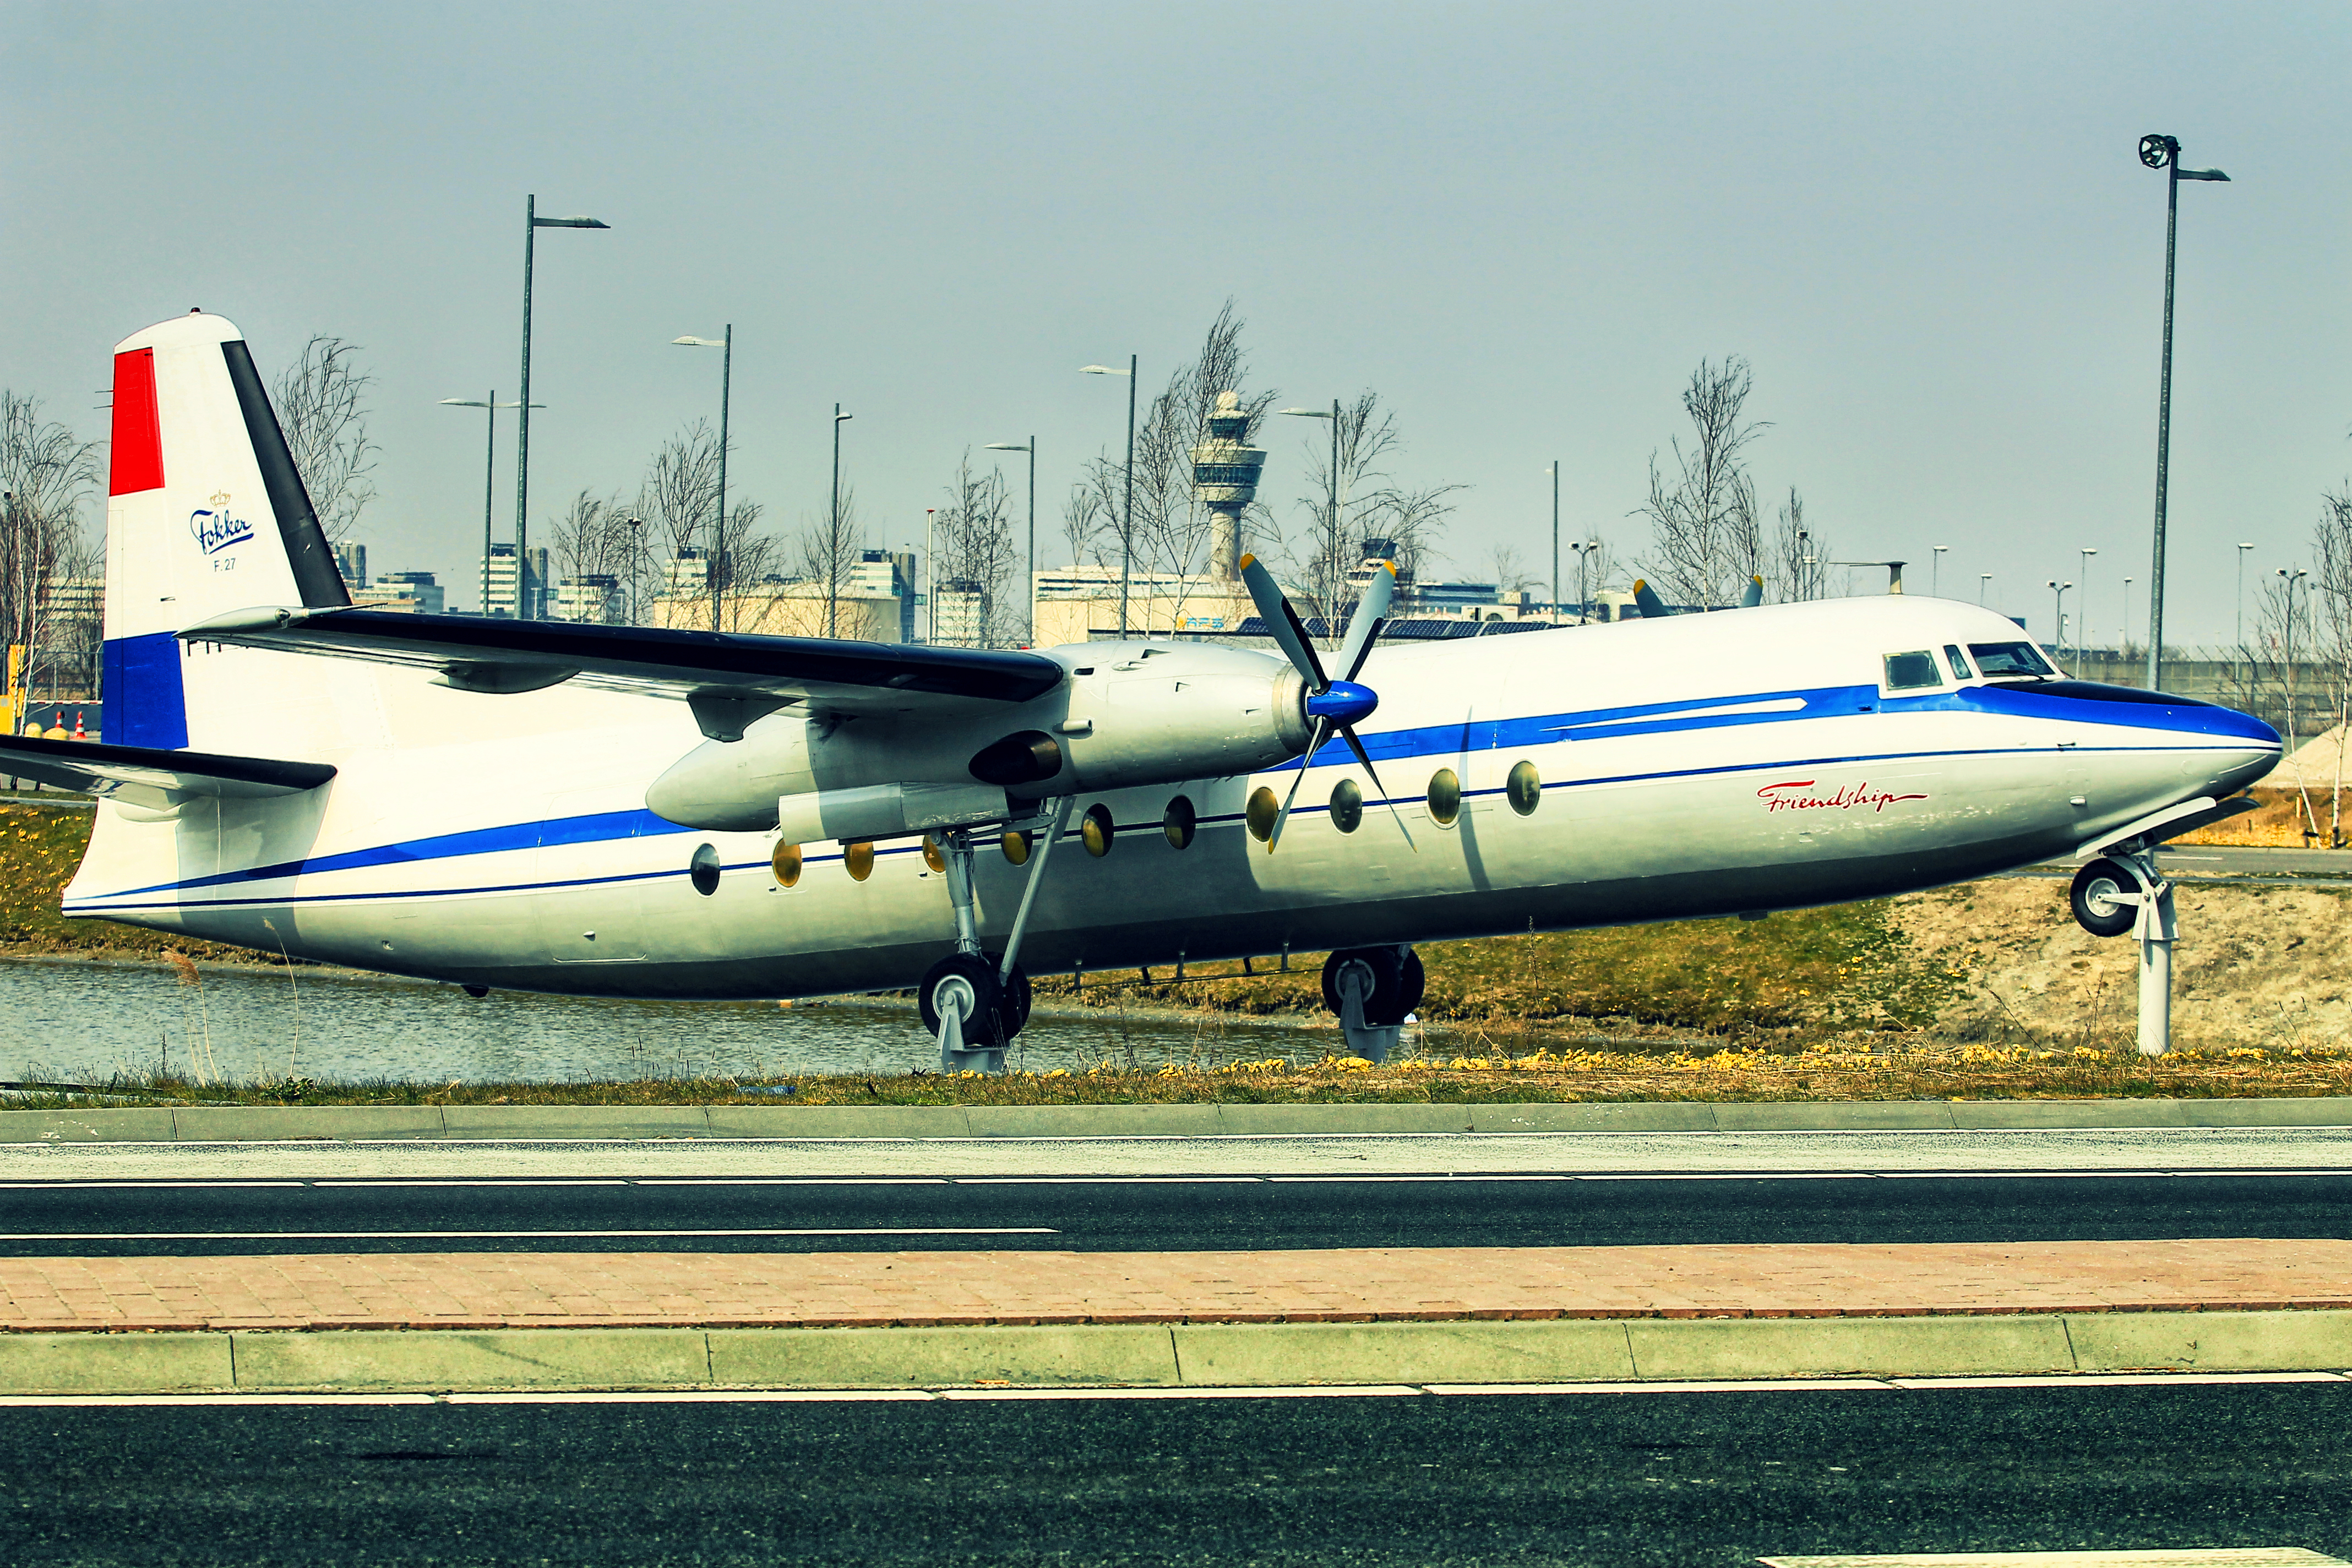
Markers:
point(206, 514)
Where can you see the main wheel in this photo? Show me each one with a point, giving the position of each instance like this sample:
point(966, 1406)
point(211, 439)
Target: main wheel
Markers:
point(982, 997)
point(2093, 900)
point(1396, 981)
point(1013, 1007)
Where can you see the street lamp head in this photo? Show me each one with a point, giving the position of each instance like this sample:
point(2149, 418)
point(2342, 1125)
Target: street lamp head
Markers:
point(2245, 545)
point(692, 342)
point(1006, 446)
point(2157, 150)
point(1100, 370)
point(574, 221)
point(839, 417)
point(1305, 413)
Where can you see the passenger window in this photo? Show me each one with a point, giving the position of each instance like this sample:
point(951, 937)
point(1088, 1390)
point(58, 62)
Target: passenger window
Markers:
point(1995, 660)
point(1909, 671)
point(1957, 660)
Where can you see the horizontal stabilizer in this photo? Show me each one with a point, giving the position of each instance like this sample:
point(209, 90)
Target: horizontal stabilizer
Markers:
point(154, 779)
point(731, 678)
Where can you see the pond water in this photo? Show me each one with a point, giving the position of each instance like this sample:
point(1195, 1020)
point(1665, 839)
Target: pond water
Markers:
point(78, 1020)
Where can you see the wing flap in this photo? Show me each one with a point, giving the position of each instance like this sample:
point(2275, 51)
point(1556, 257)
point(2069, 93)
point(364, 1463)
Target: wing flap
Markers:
point(153, 778)
point(722, 669)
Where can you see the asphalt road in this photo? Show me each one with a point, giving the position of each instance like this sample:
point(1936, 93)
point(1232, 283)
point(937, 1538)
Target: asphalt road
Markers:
point(754, 1215)
point(1615, 1479)
point(2233, 863)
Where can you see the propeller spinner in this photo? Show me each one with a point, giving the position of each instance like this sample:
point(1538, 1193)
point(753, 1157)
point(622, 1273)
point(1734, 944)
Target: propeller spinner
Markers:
point(1338, 704)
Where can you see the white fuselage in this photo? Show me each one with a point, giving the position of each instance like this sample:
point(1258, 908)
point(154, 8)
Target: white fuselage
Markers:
point(1698, 766)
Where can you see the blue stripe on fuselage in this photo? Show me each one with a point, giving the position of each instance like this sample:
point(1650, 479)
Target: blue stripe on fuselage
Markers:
point(2017, 701)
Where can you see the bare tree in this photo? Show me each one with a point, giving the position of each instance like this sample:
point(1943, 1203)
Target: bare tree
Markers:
point(1509, 569)
point(45, 472)
point(593, 539)
point(2331, 634)
point(1372, 515)
point(679, 501)
point(1793, 563)
point(1706, 540)
point(321, 408)
point(750, 564)
point(1090, 514)
point(974, 554)
point(830, 548)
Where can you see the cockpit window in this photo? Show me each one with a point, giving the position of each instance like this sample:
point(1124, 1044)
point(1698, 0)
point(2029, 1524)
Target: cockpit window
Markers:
point(1908, 671)
point(1996, 660)
point(1957, 660)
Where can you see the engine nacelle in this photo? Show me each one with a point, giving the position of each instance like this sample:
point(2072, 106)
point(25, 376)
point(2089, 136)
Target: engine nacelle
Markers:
point(1129, 714)
point(886, 811)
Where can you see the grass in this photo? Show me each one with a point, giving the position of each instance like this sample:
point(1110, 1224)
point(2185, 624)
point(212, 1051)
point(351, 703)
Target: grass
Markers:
point(39, 847)
point(1821, 1073)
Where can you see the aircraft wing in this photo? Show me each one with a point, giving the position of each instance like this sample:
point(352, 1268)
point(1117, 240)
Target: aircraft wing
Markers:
point(150, 777)
point(729, 679)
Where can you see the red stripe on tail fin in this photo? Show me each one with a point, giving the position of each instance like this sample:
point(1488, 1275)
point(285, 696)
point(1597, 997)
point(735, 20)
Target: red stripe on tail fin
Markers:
point(138, 457)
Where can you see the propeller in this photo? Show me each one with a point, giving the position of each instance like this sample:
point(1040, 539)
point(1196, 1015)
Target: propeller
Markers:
point(1338, 704)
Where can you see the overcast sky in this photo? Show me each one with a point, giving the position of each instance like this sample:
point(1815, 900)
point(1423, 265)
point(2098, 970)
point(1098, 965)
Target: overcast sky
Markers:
point(1523, 225)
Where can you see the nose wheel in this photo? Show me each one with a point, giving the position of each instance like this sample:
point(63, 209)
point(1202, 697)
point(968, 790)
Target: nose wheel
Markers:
point(1373, 989)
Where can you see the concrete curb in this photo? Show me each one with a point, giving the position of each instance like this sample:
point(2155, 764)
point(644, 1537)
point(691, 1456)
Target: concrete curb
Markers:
point(560, 1123)
point(1230, 1355)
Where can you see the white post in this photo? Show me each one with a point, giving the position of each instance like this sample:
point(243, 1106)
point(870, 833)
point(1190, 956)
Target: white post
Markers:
point(2156, 929)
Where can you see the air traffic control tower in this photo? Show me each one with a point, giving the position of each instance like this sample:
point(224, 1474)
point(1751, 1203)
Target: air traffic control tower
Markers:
point(1224, 477)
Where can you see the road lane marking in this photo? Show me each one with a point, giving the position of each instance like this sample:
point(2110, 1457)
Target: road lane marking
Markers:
point(1315, 1390)
point(503, 1235)
point(474, 1182)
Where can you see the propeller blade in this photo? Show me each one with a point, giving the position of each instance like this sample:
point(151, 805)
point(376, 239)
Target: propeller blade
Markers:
point(1647, 597)
point(1314, 745)
point(1364, 626)
point(1282, 621)
point(1753, 595)
point(1347, 733)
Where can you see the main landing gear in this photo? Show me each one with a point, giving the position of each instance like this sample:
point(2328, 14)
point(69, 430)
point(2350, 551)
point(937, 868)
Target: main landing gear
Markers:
point(1373, 989)
point(974, 1003)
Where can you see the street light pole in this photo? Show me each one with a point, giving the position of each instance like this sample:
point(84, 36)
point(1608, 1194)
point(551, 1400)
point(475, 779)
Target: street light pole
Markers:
point(1029, 446)
point(2290, 579)
point(833, 534)
point(2083, 609)
point(726, 386)
point(2239, 634)
point(1332, 520)
point(1555, 545)
point(532, 223)
point(2058, 630)
point(1936, 571)
point(1127, 522)
point(2161, 151)
point(2125, 649)
point(932, 581)
point(1984, 586)
point(489, 474)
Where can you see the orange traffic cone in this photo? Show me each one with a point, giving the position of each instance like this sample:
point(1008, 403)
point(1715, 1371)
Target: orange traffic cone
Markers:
point(80, 733)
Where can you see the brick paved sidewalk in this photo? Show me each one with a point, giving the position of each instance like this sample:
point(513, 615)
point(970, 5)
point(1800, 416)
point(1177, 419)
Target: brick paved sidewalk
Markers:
point(602, 1290)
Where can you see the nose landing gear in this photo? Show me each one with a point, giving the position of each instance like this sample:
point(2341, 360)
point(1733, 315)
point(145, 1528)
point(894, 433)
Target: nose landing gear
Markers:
point(1371, 989)
point(2121, 893)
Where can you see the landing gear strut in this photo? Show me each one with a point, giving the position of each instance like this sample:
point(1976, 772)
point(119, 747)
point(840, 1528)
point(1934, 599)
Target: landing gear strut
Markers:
point(974, 1003)
point(1371, 989)
point(2121, 892)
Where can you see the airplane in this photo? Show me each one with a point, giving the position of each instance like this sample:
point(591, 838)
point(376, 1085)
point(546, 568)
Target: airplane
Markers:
point(630, 812)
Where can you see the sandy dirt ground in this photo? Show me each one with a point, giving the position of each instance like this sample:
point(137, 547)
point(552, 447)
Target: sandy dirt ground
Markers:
point(2260, 966)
